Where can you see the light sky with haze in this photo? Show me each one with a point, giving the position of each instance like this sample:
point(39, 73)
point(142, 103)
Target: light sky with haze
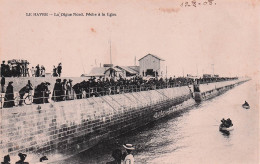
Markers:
point(225, 34)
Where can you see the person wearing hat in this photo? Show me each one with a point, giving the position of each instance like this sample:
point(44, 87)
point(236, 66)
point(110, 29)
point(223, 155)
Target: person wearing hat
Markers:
point(22, 159)
point(9, 96)
point(22, 92)
point(129, 158)
point(37, 97)
point(25, 90)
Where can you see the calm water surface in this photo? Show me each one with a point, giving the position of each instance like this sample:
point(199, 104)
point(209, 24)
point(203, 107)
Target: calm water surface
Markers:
point(192, 136)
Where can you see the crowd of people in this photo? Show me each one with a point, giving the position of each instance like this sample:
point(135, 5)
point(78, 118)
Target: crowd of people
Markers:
point(62, 90)
point(65, 90)
point(100, 87)
point(38, 71)
point(118, 156)
point(19, 68)
point(22, 157)
point(14, 69)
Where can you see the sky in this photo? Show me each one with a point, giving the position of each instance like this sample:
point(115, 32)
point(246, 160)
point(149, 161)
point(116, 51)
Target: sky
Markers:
point(190, 39)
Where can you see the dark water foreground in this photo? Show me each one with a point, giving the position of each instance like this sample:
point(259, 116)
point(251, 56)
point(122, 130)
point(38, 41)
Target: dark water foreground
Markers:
point(192, 136)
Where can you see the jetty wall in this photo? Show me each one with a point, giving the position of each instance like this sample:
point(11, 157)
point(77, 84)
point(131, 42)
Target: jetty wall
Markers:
point(70, 127)
point(211, 90)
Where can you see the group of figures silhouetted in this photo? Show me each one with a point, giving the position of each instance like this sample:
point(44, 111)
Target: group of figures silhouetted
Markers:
point(22, 157)
point(57, 70)
point(64, 90)
point(38, 71)
point(9, 93)
point(119, 157)
point(100, 87)
point(19, 68)
point(226, 123)
point(15, 68)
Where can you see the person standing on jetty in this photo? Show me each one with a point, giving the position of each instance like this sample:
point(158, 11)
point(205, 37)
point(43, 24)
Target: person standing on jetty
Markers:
point(3, 84)
point(54, 72)
point(37, 74)
point(32, 72)
point(22, 92)
point(9, 96)
point(59, 68)
point(57, 91)
point(129, 158)
point(41, 93)
point(3, 68)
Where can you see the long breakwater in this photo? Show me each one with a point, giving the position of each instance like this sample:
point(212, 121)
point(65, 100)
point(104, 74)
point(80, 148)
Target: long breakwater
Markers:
point(70, 127)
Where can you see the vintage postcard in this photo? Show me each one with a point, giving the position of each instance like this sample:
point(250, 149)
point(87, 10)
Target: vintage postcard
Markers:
point(124, 82)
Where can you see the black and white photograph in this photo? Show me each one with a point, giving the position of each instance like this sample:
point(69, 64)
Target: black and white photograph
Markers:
point(129, 82)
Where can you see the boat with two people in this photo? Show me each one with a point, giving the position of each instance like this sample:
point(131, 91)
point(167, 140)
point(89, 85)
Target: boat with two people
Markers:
point(226, 126)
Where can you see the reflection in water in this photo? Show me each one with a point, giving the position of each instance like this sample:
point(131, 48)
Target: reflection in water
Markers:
point(192, 136)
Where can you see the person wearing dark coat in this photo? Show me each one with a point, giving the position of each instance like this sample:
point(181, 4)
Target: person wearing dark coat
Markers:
point(22, 159)
point(9, 96)
point(78, 90)
point(8, 72)
point(6, 160)
point(38, 94)
point(22, 93)
point(25, 90)
point(46, 92)
point(57, 91)
point(37, 74)
point(3, 84)
point(41, 93)
point(59, 68)
point(54, 74)
point(18, 70)
point(3, 69)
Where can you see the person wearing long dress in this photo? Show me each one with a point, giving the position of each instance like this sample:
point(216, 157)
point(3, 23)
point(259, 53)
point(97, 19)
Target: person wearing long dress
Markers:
point(37, 73)
point(9, 96)
point(57, 91)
